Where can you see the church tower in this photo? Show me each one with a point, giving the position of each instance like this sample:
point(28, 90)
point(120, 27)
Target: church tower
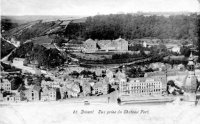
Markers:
point(191, 80)
point(191, 64)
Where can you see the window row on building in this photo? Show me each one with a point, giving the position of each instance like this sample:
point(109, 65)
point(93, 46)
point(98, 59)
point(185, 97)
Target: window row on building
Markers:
point(141, 87)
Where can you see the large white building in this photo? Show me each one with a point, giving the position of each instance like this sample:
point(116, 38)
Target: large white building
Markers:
point(91, 46)
point(141, 87)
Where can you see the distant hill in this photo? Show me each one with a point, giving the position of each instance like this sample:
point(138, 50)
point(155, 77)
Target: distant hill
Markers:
point(166, 14)
point(30, 18)
point(33, 29)
point(41, 32)
point(128, 26)
point(38, 28)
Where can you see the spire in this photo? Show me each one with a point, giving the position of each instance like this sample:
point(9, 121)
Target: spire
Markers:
point(191, 57)
point(191, 65)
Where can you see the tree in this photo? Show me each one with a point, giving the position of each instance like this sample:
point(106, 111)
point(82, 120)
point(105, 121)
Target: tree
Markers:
point(130, 26)
point(7, 24)
point(185, 51)
point(86, 73)
point(34, 52)
point(16, 82)
point(58, 40)
point(6, 48)
point(74, 73)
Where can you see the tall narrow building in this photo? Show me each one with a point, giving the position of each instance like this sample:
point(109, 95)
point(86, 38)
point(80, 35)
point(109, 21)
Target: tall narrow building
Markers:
point(191, 80)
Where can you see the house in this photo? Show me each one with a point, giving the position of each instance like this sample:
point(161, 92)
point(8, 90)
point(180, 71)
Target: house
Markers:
point(63, 92)
point(117, 81)
point(120, 75)
point(45, 83)
point(91, 82)
point(176, 49)
point(197, 73)
point(109, 73)
point(173, 47)
point(144, 44)
point(113, 45)
point(48, 94)
point(106, 45)
point(5, 84)
point(18, 61)
point(45, 93)
point(97, 88)
point(9, 98)
point(53, 84)
point(109, 80)
point(98, 71)
point(72, 93)
point(14, 97)
point(157, 66)
point(87, 90)
point(121, 44)
point(180, 67)
point(17, 97)
point(76, 87)
point(21, 92)
point(147, 52)
point(90, 46)
point(136, 52)
point(150, 44)
point(100, 88)
point(33, 93)
point(1, 97)
point(52, 94)
point(71, 89)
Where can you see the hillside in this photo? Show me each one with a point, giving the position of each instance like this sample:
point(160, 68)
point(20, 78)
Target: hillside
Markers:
point(112, 26)
point(34, 29)
point(6, 48)
point(30, 18)
point(130, 27)
point(34, 52)
point(36, 39)
point(39, 28)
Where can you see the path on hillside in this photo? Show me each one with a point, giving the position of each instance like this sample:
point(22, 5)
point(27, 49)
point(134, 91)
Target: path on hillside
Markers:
point(4, 59)
point(106, 65)
point(63, 50)
point(10, 42)
point(118, 65)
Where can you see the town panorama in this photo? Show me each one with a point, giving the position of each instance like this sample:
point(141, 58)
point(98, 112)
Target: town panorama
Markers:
point(121, 59)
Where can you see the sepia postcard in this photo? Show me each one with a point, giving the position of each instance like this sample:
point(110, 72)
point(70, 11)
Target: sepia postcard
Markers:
point(100, 62)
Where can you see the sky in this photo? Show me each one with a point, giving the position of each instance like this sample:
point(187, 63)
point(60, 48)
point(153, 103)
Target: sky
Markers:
point(93, 7)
